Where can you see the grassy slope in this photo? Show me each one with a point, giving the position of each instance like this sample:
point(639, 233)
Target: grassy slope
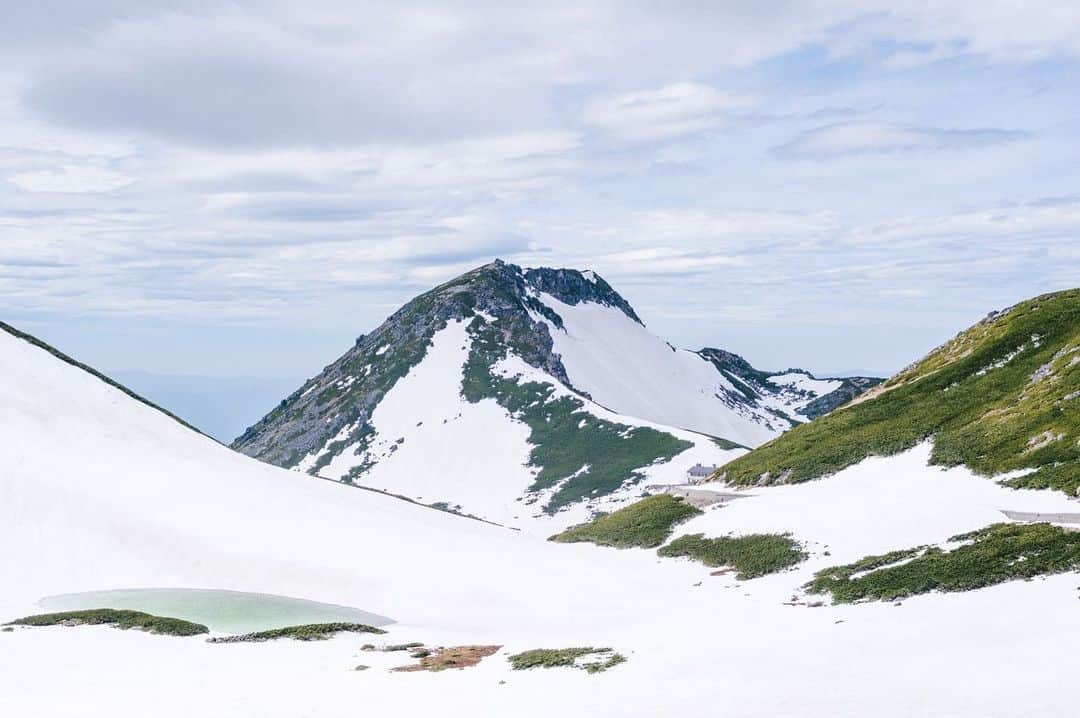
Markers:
point(645, 524)
point(992, 555)
point(752, 556)
point(985, 397)
point(583, 455)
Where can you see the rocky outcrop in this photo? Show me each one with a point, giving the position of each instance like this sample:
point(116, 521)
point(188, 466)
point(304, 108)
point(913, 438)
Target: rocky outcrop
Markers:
point(336, 406)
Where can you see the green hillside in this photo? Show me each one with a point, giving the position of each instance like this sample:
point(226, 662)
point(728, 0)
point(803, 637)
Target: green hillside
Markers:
point(1003, 395)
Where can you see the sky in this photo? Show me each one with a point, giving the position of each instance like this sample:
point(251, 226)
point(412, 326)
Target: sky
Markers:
point(238, 189)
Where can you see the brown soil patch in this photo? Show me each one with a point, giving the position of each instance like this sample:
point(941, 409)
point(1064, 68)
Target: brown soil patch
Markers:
point(452, 657)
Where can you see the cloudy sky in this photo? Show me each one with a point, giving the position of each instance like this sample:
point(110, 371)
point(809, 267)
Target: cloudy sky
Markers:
point(239, 189)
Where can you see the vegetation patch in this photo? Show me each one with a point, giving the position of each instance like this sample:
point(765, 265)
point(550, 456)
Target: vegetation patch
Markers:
point(645, 524)
point(119, 618)
point(989, 556)
point(578, 454)
point(596, 660)
point(393, 648)
point(1060, 477)
point(751, 556)
point(440, 659)
point(307, 632)
point(981, 397)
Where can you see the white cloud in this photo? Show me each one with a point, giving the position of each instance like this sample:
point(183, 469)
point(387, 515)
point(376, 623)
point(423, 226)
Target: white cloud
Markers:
point(70, 178)
point(1018, 223)
point(672, 111)
point(346, 154)
point(861, 138)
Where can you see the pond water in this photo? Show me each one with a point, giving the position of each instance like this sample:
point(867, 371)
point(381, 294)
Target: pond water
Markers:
point(221, 611)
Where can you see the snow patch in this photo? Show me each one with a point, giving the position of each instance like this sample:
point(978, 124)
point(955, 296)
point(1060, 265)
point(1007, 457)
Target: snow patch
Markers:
point(626, 368)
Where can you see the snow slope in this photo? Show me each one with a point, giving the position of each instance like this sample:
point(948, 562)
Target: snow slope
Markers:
point(626, 368)
point(98, 491)
point(433, 446)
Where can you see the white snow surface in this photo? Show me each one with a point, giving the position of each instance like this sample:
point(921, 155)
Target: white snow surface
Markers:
point(805, 382)
point(626, 368)
point(98, 492)
point(463, 454)
point(433, 446)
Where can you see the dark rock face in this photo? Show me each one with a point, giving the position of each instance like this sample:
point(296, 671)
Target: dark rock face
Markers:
point(347, 391)
point(753, 383)
point(572, 287)
point(852, 387)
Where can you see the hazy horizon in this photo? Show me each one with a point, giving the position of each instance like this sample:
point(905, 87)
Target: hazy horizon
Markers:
point(238, 189)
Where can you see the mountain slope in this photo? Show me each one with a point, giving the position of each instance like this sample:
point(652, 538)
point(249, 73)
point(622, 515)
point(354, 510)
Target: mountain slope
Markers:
point(30, 339)
point(540, 390)
point(1002, 396)
point(99, 491)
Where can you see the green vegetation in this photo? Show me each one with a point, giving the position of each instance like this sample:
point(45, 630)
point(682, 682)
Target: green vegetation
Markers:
point(725, 444)
point(989, 556)
point(751, 556)
point(583, 455)
point(113, 617)
point(402, 646)
point(1060, 477)
point(308, 632)
point(645, 524)
point(1002, 395)
point(566, 657)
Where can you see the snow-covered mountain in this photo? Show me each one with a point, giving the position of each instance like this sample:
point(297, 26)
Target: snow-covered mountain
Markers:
point(100, 490)
point(513, 393)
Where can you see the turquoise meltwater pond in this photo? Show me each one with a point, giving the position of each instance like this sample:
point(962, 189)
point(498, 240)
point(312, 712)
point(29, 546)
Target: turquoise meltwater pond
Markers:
point(221, 611)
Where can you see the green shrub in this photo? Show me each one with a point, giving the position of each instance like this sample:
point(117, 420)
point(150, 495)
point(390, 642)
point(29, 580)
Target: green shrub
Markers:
point(118, 618)
point(645, 524)
point(993, 555)
point(403, 646)
point(307, 632)
point(566, 657)
point(1060, 477)
point(751, 556)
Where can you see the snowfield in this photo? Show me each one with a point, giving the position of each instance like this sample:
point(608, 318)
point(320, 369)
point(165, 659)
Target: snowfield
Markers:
point(626, 368)
point(433, 446)
point(100, 492)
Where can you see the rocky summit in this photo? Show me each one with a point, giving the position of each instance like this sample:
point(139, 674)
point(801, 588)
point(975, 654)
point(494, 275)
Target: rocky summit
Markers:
point(539, 390)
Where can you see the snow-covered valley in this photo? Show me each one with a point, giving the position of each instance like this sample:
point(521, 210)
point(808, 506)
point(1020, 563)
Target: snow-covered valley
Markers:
point(101, 492)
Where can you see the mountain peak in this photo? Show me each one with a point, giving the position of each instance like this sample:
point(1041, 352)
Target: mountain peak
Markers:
point(347, 391)
point(537, 386)
point(569, 286)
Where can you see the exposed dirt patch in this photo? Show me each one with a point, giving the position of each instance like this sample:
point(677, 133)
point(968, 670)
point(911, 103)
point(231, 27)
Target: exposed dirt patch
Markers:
point(440, 659)
point(1044, 439)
